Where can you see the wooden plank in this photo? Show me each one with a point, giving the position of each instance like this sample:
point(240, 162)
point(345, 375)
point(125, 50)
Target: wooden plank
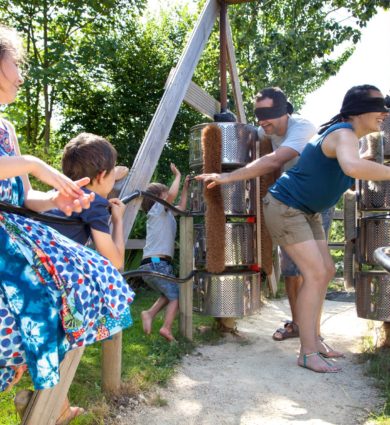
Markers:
point(186, 266)
point(234, 75)
point(158, 131)
point(272, 282)
point(45, 405)
point(112, 364)
point(201, 101)
point(258, 211)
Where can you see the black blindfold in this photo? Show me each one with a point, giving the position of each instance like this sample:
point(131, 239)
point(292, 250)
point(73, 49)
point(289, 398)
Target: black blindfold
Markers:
point(273, 112)
point(363, 106)
point(263, 114)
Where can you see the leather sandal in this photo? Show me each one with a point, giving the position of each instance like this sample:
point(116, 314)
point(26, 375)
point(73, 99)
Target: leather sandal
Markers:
point(290, 330)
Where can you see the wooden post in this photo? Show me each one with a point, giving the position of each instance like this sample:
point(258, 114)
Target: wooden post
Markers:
point(234, 74)
point(112, 364)
point(45, 405)
point(186, 266)
point(158, 131)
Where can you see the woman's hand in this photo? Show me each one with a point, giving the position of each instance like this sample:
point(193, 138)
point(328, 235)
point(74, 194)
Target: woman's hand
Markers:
point(68, 204)
point(54, 178)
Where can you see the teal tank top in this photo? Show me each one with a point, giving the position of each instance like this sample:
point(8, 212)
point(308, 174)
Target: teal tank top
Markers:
point(316, 182)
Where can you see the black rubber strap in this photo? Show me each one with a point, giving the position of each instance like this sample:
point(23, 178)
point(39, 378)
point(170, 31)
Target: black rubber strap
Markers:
point(140, 273)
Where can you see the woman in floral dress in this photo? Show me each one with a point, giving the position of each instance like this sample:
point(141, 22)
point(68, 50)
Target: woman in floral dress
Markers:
point(55, 294)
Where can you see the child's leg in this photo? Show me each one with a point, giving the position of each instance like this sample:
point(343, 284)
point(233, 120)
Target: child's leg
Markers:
point(147, 316)
point(170, 314)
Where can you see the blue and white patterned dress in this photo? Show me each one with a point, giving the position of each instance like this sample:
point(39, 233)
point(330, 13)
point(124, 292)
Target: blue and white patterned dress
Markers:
point(55, 294)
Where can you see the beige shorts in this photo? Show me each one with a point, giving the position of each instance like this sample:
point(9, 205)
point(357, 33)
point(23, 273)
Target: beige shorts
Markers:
point(288, 225)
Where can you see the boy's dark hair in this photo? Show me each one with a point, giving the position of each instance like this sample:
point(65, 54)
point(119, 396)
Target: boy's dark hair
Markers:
point(87, 155)
point(155, 189)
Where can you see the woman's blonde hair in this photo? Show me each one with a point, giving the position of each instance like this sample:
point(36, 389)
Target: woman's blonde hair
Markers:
point(10, 42)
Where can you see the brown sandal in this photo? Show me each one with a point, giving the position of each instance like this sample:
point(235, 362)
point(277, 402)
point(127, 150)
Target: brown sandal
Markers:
point(290, 330)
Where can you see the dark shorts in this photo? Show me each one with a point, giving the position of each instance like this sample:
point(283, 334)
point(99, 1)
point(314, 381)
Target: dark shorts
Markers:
point(164, 287)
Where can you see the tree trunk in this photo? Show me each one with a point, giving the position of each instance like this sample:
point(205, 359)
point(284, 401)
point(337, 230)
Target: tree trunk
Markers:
point(45, 81)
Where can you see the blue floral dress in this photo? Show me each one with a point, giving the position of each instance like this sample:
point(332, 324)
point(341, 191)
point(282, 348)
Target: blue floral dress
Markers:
point(55, 294)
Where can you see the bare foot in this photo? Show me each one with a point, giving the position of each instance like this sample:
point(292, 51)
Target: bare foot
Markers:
point(68, 413)
point(19, 370)
point(326, 351)
point(316, 363)
point(71, 414)
point(146, 322)
point(167, 334)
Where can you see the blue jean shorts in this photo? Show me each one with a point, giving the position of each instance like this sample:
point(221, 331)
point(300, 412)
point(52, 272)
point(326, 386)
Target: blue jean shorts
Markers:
point(169, 289)
point(287, 265)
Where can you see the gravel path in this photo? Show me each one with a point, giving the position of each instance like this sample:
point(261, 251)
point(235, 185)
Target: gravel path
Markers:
point(257, 382)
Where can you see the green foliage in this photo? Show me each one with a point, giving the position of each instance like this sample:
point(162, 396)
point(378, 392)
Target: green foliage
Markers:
point(378, 366)
point(292, 44)
point(101, 66)
point(54, 31)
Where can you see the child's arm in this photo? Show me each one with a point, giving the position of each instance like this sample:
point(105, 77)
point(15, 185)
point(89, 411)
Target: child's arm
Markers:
point(112, 246)
point(174, 189)
point(184, 194)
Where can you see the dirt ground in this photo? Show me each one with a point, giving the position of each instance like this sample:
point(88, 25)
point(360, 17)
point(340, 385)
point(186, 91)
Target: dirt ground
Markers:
point(257, 382)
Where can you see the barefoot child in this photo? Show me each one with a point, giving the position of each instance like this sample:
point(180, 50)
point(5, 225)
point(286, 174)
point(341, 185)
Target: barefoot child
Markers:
point(159, 250)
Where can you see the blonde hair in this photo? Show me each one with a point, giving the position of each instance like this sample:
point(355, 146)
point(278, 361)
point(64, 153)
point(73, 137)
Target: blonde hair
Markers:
point(11, 43)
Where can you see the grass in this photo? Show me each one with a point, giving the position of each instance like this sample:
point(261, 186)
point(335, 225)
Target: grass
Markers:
point(377, 360)
point(146, 361)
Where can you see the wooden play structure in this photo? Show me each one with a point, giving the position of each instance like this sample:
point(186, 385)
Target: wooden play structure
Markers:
point(45, 405)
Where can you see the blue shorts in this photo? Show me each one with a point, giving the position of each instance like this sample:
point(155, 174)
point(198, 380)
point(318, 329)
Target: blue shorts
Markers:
point(287, 265)
point(169, 289)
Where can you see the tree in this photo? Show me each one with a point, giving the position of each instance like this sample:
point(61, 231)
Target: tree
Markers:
point(119, 103)
point(53, 30)
point(290, 43)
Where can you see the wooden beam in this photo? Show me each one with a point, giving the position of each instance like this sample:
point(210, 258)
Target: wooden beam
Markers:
point(258, 211)
point(45, 405)
point(186, 265)
point(158, 131)
point(201, 101)
point(234, 75)
point(112, 364)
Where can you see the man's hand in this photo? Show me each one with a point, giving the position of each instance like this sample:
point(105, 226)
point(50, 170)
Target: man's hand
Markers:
point(212, 179)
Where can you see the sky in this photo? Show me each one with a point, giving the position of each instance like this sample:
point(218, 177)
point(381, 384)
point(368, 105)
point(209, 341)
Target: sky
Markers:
point(369, 64)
